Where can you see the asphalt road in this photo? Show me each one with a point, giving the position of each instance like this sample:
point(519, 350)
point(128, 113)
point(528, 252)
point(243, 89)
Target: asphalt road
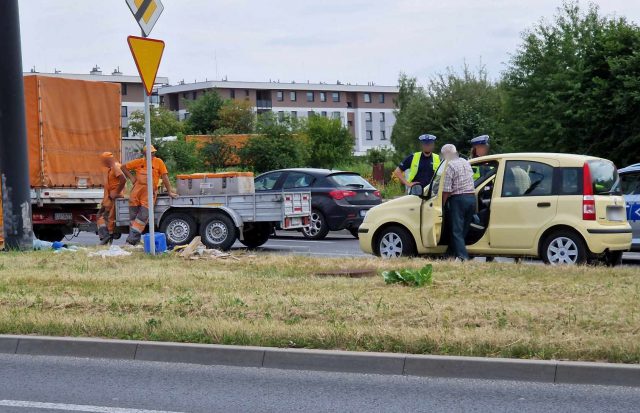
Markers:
point(337, 244)
point(51, 384)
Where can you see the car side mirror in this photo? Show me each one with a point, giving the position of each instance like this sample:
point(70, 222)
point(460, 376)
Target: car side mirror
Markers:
point(416, 190)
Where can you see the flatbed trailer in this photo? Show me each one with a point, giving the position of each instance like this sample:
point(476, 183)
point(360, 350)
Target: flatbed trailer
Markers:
point(220, 220)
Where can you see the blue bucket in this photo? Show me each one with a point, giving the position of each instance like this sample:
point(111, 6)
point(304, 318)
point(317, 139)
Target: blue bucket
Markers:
point(161, 243)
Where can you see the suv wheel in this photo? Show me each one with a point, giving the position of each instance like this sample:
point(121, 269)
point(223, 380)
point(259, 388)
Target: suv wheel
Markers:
point(318, 227)
point(563, 248)
point(395, 242)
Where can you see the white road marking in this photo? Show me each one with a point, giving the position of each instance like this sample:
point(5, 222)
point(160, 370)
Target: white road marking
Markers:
point(74, 407)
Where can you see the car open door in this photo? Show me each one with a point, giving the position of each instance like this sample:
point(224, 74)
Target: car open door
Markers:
point(432, 216)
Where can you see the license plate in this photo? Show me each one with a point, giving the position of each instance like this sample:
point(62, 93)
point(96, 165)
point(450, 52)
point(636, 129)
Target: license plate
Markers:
point(616, 213)
point(363, 213)
point(63, 216)
point(293, 222)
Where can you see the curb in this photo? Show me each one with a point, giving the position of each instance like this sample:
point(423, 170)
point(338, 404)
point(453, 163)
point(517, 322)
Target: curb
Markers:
point(546, 371)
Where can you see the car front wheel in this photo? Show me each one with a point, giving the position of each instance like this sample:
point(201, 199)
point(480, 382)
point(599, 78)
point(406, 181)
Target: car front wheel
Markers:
point(564, 248)
point(395, 242)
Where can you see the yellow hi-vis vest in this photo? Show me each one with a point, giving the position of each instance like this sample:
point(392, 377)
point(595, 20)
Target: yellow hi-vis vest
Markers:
point(476, 172)
point(415, 164)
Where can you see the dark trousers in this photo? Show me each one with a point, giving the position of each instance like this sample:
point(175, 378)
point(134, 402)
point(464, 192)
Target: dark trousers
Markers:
point(460, 210)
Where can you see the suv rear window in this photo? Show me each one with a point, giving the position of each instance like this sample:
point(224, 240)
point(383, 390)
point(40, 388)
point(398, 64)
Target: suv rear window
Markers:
point(604, 177)
point(350, 180)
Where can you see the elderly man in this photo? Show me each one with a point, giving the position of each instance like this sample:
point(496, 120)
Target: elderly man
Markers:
point(459, 201)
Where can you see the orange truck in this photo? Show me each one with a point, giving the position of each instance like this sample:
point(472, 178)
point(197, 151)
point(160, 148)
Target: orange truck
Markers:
point(69, 124)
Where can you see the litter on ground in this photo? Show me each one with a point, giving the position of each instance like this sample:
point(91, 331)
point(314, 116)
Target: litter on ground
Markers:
point(113, 251)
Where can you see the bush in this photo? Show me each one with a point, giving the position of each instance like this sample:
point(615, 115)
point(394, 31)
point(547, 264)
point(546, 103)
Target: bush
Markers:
point(179, 155)
point(279, 144)
point(379, 155)
point(217, 154)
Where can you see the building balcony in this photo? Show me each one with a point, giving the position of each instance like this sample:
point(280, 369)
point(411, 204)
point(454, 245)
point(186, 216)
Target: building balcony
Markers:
point(264, 104)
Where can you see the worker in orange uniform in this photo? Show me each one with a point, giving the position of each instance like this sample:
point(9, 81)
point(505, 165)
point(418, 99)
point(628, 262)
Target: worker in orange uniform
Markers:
point(138, 200)
point(114, 183)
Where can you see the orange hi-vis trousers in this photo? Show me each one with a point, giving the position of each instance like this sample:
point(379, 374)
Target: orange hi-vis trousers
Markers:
point(107, 217)
point(139, 210)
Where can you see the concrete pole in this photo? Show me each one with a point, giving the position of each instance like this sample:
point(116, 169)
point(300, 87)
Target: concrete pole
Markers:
point(14, 159)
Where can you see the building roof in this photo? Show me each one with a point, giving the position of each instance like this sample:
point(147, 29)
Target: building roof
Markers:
point(117, 78)
point(224, 84)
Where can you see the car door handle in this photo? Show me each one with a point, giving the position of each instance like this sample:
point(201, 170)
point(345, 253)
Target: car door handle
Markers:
point(544, 204)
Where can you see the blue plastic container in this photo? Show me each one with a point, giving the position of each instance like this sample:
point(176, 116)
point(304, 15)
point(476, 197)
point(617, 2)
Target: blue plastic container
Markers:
point(161, 243)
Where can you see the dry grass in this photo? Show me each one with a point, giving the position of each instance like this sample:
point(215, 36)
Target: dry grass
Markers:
point(508, 310)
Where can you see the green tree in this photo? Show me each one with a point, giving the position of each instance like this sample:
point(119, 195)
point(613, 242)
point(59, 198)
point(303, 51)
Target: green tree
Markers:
point(278, 144)
point(573, 84)
point(331, 143)
point(237, 116)
point(204, 114)
point(163, 123)
point(454, 107)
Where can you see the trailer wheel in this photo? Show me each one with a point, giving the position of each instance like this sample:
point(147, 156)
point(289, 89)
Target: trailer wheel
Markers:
point(219, 232)
point(179, 228)
point(257, 235)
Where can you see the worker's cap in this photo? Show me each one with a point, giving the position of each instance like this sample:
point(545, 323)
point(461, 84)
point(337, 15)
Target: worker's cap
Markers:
point(480, 140)
point(426, 138)
point(153, 149)
point(106, 155)
point(449, 149)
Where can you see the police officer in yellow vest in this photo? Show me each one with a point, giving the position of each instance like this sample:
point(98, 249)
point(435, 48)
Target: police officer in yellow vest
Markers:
point(479, 147)
point(421, 165)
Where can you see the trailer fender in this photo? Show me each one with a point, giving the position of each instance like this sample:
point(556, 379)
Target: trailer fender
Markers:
point(237, 219)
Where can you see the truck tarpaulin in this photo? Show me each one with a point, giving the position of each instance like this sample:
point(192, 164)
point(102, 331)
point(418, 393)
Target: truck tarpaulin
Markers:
point(69, 123)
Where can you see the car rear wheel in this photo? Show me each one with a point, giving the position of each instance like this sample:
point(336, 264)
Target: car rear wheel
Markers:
point(219, 232)
point(179, 228)
point(564, 248)
point(318, 227)
point(613, 258)
point(395, 242)
point(354, 232)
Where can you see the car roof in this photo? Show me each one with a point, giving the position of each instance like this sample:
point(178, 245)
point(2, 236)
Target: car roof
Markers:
point(631, 168)
point(316, 172)
point(565, 159)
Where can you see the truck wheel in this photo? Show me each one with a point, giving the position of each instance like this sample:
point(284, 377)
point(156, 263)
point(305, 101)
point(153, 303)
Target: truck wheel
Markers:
point(49, 234)
point(219, 232)
point(179, 228)
point(563, 248)
point(256, 236)
point(394, 242)
point(318, 227)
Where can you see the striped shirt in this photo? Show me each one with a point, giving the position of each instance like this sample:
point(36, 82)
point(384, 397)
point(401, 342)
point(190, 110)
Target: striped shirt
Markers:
point(458, 177)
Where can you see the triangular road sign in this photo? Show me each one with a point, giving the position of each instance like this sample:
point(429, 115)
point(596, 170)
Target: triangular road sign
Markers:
point(147, 54)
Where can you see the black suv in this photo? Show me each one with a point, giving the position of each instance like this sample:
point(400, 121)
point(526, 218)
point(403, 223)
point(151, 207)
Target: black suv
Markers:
point(339, 200)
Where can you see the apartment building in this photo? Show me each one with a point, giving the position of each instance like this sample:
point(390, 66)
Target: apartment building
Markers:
point(132, 92)
point(366, 110)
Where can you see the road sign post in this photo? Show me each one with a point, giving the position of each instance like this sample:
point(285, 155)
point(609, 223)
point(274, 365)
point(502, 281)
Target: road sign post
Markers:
point(14, 160)
point(147, 53)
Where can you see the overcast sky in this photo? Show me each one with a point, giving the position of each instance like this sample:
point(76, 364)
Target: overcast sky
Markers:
point(355, 41)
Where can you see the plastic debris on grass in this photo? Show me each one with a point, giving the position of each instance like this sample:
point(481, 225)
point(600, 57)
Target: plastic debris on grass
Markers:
point(196, 250)
point(414, 278)
point(113, 251)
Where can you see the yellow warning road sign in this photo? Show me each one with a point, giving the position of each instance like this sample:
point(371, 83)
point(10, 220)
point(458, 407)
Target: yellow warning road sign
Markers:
point(146, 13)
point(147, 54)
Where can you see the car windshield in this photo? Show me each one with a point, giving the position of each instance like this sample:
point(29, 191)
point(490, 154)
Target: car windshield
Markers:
point(604, 177)
point(351, 180)
point(435, 182)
